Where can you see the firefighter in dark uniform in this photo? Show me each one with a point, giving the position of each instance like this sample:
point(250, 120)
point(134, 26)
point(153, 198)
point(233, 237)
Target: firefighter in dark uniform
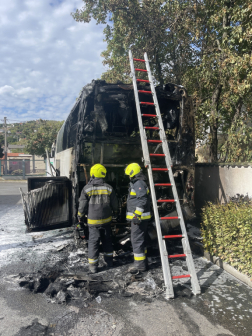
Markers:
point(97, 200)
point(138, 213)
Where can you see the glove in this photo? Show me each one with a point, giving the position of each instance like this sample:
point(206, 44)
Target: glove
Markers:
point(80, 219)
point(117, 216)
point(136, 219)
point(81, 230)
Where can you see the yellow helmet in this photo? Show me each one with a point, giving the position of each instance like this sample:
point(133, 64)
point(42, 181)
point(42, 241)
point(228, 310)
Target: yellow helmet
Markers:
point(98, 170)
point(132, 169)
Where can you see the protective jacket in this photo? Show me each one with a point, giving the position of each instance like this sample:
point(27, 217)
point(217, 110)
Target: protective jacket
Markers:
point(138, 201)
point(97, 200)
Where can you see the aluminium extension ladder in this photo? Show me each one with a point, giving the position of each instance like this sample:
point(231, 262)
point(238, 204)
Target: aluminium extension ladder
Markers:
point(146, 156)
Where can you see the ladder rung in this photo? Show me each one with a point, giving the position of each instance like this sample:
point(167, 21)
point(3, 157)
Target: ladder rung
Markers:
point(173, 236)
point(176, 256)
point(157, 154)
point(143, 70)
point(160, 169)
point(151, 128)
point(162, 184)
point(147, 103)
point(143, 91)
point(169, 218)
point(139, 60)
point(149, 115)
point(166, 201)
point(181, 276)
point(143, 80)
point(155, 141)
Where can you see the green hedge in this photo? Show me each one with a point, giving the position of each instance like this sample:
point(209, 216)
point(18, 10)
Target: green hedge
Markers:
point(227, 233)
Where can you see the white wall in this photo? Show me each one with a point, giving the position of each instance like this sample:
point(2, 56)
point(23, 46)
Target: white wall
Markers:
point(65, 157)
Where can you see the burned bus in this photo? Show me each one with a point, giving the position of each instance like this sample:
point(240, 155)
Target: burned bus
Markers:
point(102, 127)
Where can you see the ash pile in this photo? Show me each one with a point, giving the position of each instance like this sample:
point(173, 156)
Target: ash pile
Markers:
point(69, 281)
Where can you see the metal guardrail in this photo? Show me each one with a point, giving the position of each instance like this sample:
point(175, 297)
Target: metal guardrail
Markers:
point(22, 167)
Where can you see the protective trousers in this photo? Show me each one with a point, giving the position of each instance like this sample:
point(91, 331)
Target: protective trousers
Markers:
point(99, 233)
point(138, 241)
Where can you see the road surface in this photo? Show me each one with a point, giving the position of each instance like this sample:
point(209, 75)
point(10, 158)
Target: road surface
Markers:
point(223, 308)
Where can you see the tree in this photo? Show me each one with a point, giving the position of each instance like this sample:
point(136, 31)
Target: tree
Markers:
point(38, 142)
point(147, 27)
point(204, 45)
point(1, 140)
point(221, 82)
point(1, 152)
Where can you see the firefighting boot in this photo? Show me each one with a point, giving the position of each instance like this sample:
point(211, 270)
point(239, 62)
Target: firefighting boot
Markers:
point(139, 266)
point(108, 261)
point(93, 268)
point(146, 264)
point(146, 260)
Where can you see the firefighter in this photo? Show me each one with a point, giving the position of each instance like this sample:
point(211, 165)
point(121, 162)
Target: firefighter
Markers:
point(97, 200)
point(138, 213)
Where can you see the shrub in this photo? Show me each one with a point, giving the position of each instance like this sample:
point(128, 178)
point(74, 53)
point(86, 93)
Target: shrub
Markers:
point(227, 233)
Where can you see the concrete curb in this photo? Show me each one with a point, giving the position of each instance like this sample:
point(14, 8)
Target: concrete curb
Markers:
point(2, 180)
point(198, 249)
point(230, 269)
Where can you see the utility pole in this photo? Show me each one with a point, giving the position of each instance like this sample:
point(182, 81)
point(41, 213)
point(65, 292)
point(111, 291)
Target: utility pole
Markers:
point(5, 146)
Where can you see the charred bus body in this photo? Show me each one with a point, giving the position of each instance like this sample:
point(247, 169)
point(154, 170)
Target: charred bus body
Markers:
point(102, 128)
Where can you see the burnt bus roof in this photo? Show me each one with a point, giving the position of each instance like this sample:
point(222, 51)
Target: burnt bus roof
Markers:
point(106, 113)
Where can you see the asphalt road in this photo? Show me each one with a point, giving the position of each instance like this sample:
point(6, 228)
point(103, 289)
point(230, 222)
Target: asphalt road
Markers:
point(223, 308)
point(10, 194)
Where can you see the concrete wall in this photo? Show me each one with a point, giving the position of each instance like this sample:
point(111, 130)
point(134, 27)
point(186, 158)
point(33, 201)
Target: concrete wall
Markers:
point(219, 182)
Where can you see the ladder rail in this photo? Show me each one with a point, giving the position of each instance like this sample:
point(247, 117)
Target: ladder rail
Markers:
point(162, 134)
point(191, 268)
point(162, 246)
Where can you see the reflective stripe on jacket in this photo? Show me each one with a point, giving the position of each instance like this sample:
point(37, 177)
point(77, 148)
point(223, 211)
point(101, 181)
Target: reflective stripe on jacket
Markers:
point(97, 200)
point(138, 201)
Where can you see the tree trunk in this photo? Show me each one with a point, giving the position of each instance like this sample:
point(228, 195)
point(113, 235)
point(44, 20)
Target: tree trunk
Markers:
point(159, 71)
point(214, 123)
point(237, 111)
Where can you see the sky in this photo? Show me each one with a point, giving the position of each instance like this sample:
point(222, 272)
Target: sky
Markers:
point(45, 58)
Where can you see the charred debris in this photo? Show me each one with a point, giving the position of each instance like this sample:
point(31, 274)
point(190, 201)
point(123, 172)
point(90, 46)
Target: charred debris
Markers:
point(68, 282)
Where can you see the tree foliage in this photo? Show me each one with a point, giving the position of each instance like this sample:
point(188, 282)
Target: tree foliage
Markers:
point(221, 82)
point(203, 45)
point(37, 142)
point(151, 26)
point(1, 140)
